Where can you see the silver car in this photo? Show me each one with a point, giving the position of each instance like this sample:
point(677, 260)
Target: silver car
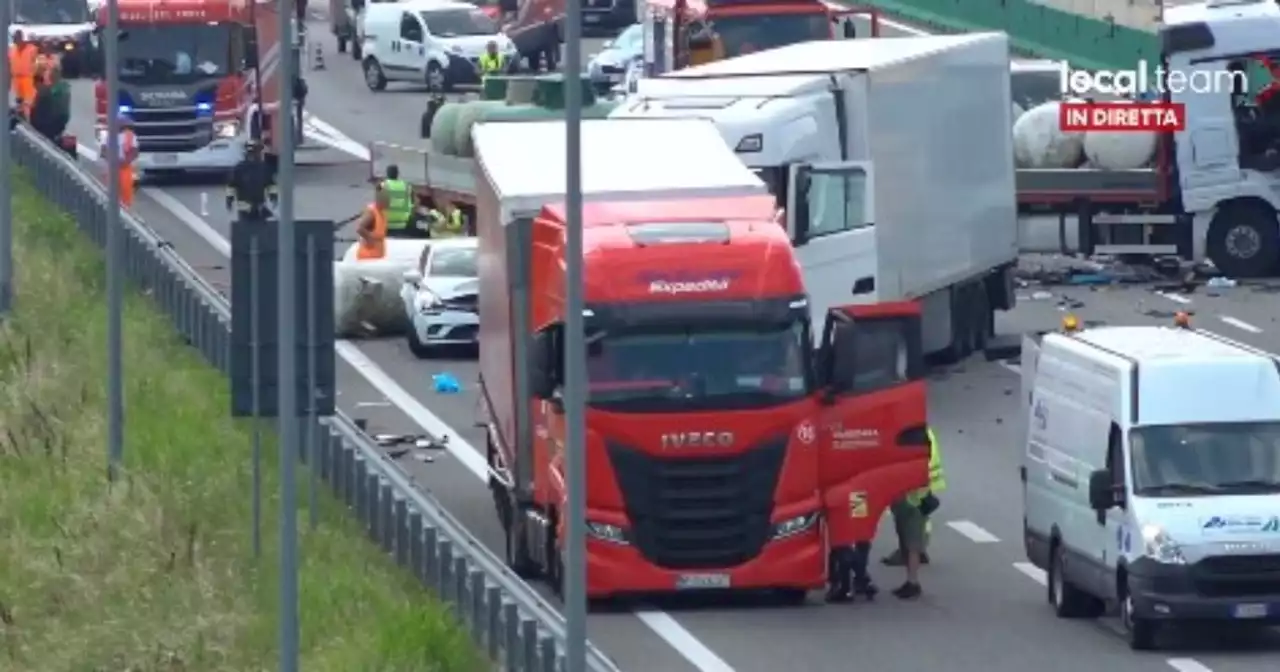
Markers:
point(607, 68)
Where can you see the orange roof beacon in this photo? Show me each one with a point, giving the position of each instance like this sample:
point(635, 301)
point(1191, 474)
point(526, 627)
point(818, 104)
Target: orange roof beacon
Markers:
point(723, 450)
point(189, 73)
point(680, 33)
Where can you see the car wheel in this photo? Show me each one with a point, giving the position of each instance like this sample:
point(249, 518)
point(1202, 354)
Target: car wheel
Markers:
point(373, 75)
point(416, 346)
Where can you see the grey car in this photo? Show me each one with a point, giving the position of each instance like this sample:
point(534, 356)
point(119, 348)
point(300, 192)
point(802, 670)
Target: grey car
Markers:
point(608, 68)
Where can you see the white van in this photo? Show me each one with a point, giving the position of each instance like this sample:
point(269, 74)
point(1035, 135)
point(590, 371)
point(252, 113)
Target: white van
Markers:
point(432, 42)
point(1152, 475)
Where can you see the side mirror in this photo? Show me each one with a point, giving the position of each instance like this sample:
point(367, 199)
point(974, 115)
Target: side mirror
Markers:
point(1102, 494)
point(541, 378)
point(412, 277)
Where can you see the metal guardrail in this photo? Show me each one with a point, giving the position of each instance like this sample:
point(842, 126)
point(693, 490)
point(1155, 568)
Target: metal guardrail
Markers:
point(517, 629)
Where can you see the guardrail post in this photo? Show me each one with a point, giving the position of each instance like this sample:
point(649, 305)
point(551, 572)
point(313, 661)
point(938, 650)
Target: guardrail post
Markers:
point(445, 586)
point(549, 656)
point(431, 555)
point(415, 531)
point(371, 492)
point(358, 479)
point(511, 634)
point(402, 531)
point(529, 644)
point(493, 633)
point(478, 621)
point(386, 526)
point(462, 593)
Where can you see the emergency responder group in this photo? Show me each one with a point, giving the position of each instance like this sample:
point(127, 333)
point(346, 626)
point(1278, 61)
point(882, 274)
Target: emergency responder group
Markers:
point(849, 575)
point(42, 97)
point(394, 214)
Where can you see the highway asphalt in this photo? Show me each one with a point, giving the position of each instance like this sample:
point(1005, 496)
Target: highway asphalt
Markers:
point(984, 608)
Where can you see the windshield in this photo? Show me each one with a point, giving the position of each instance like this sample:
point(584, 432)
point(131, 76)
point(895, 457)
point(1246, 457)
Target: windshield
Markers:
point(684, 370)
point(631, 39)
point(458, 262)
point(51, 11)
point(1215, 458)
point(746, 34)
point(175, 51)
point(1030, 88)
point(458, 22)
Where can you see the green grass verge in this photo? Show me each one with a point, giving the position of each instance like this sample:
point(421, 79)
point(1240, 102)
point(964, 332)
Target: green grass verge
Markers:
point(157, 573)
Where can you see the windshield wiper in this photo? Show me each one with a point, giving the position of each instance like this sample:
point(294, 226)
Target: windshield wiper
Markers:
point(1252, 483)
point(1180, 488)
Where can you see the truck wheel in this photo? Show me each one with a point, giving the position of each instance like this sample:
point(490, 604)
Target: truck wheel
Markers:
point(342, 44)
point(1067, 600)
point(373, 76)
point(961, 339)
point(1140, 632)
point(1244, 239)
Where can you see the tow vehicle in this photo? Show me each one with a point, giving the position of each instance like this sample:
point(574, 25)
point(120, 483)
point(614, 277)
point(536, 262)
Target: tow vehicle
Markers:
point(198, 77)
point(723, 451)
point(1151, 475)
point(884, 201)
point(680, 33)
point(61, 28)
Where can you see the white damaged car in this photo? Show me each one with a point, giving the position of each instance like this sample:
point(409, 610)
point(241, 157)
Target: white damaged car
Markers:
point(441, 297)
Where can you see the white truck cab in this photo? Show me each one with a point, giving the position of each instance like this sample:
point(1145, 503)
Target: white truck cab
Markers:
point(884, 202)
point(1152, 475)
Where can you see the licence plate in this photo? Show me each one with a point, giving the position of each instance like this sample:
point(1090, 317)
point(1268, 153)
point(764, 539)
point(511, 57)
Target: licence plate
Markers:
point(591, 18)
point(1250, 611)
point(702, 581)
point(164, 158)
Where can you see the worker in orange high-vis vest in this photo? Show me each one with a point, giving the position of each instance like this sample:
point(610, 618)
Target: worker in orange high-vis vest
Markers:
point(22, 71)
point(373, 229)
point(128, 147)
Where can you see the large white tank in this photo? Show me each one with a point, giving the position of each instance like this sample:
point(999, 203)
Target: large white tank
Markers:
point(1126, 150)
point(367, 299)
point(1039, 141)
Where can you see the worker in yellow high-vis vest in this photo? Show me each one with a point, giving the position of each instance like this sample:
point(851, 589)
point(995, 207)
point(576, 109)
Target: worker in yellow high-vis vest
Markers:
point(441, 225)
point(911, 520)
point(399, 210)
point(492, 61)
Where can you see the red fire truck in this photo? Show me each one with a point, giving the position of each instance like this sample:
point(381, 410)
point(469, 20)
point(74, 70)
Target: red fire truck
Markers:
point(680, 33)
point(193, 76)
point(723, 451)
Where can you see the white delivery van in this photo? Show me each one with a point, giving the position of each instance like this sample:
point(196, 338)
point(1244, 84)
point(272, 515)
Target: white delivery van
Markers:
point(432, 42)
point(1152, 475)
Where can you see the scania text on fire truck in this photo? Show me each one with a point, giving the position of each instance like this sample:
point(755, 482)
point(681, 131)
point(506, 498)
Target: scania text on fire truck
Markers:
point(193, 74)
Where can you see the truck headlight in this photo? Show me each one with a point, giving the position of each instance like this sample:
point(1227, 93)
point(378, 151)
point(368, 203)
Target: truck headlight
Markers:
point(226, 129)
point(606, 532)
point(793, 526)
point(1157, 545)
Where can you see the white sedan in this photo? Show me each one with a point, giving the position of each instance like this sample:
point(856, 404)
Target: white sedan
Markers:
point(440, 296)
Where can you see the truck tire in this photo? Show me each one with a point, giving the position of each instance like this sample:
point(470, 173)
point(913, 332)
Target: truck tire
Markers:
point(1244, 239)
point(961, 337)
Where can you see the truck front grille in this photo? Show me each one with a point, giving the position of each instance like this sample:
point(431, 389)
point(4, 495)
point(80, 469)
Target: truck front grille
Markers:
point(171, 129)
point(690, 512)
point(1237, 575)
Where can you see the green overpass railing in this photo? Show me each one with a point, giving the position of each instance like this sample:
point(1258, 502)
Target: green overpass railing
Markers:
point(1036, 30)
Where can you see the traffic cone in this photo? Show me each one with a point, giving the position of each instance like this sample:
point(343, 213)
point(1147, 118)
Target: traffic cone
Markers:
point(317, 58)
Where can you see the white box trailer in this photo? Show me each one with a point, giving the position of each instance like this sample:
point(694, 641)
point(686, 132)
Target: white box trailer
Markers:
point(893, 159)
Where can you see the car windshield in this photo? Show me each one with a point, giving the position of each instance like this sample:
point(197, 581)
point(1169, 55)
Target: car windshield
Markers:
point(51, 11)
point(175, 52)
point(1213, 458)
point(630, 40)
point(673, 369)
point(459, 22)
point(455, 262)
point(746, 34)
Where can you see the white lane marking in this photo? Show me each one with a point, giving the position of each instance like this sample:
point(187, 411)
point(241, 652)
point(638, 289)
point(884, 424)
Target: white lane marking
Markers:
point(973, 531)
point(330, 135)
point(1017, 369)
point(1240, 324)
point(662, 625)
point(677, 636)
point(1178, 298)
point(1188, 665)
point(1032, 572)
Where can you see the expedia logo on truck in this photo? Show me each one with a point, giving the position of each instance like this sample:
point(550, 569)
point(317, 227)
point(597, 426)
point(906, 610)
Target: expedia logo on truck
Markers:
point(689, 282)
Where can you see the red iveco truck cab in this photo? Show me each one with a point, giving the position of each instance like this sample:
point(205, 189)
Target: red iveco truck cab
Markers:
point(723, 450)
point(190, 76)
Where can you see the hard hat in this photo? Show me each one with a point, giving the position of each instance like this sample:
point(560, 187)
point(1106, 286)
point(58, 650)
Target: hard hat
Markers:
point(1070, 323)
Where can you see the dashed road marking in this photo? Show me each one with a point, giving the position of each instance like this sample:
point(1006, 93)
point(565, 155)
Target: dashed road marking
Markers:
point(1032, 572)
point(1188, 665)
point(1240, 324)
point(973, 531)
point(1178, 298)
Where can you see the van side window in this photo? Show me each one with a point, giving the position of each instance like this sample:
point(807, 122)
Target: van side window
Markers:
point(1115, 460)
point(410, 28)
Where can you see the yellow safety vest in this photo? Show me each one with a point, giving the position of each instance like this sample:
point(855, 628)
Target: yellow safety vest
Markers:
point(937, 479)
point(399, 208)
point(491, 64)
point(445, 227)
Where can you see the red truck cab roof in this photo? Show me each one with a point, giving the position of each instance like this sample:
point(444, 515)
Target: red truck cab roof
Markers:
point(693, 249)
point(178, 11)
